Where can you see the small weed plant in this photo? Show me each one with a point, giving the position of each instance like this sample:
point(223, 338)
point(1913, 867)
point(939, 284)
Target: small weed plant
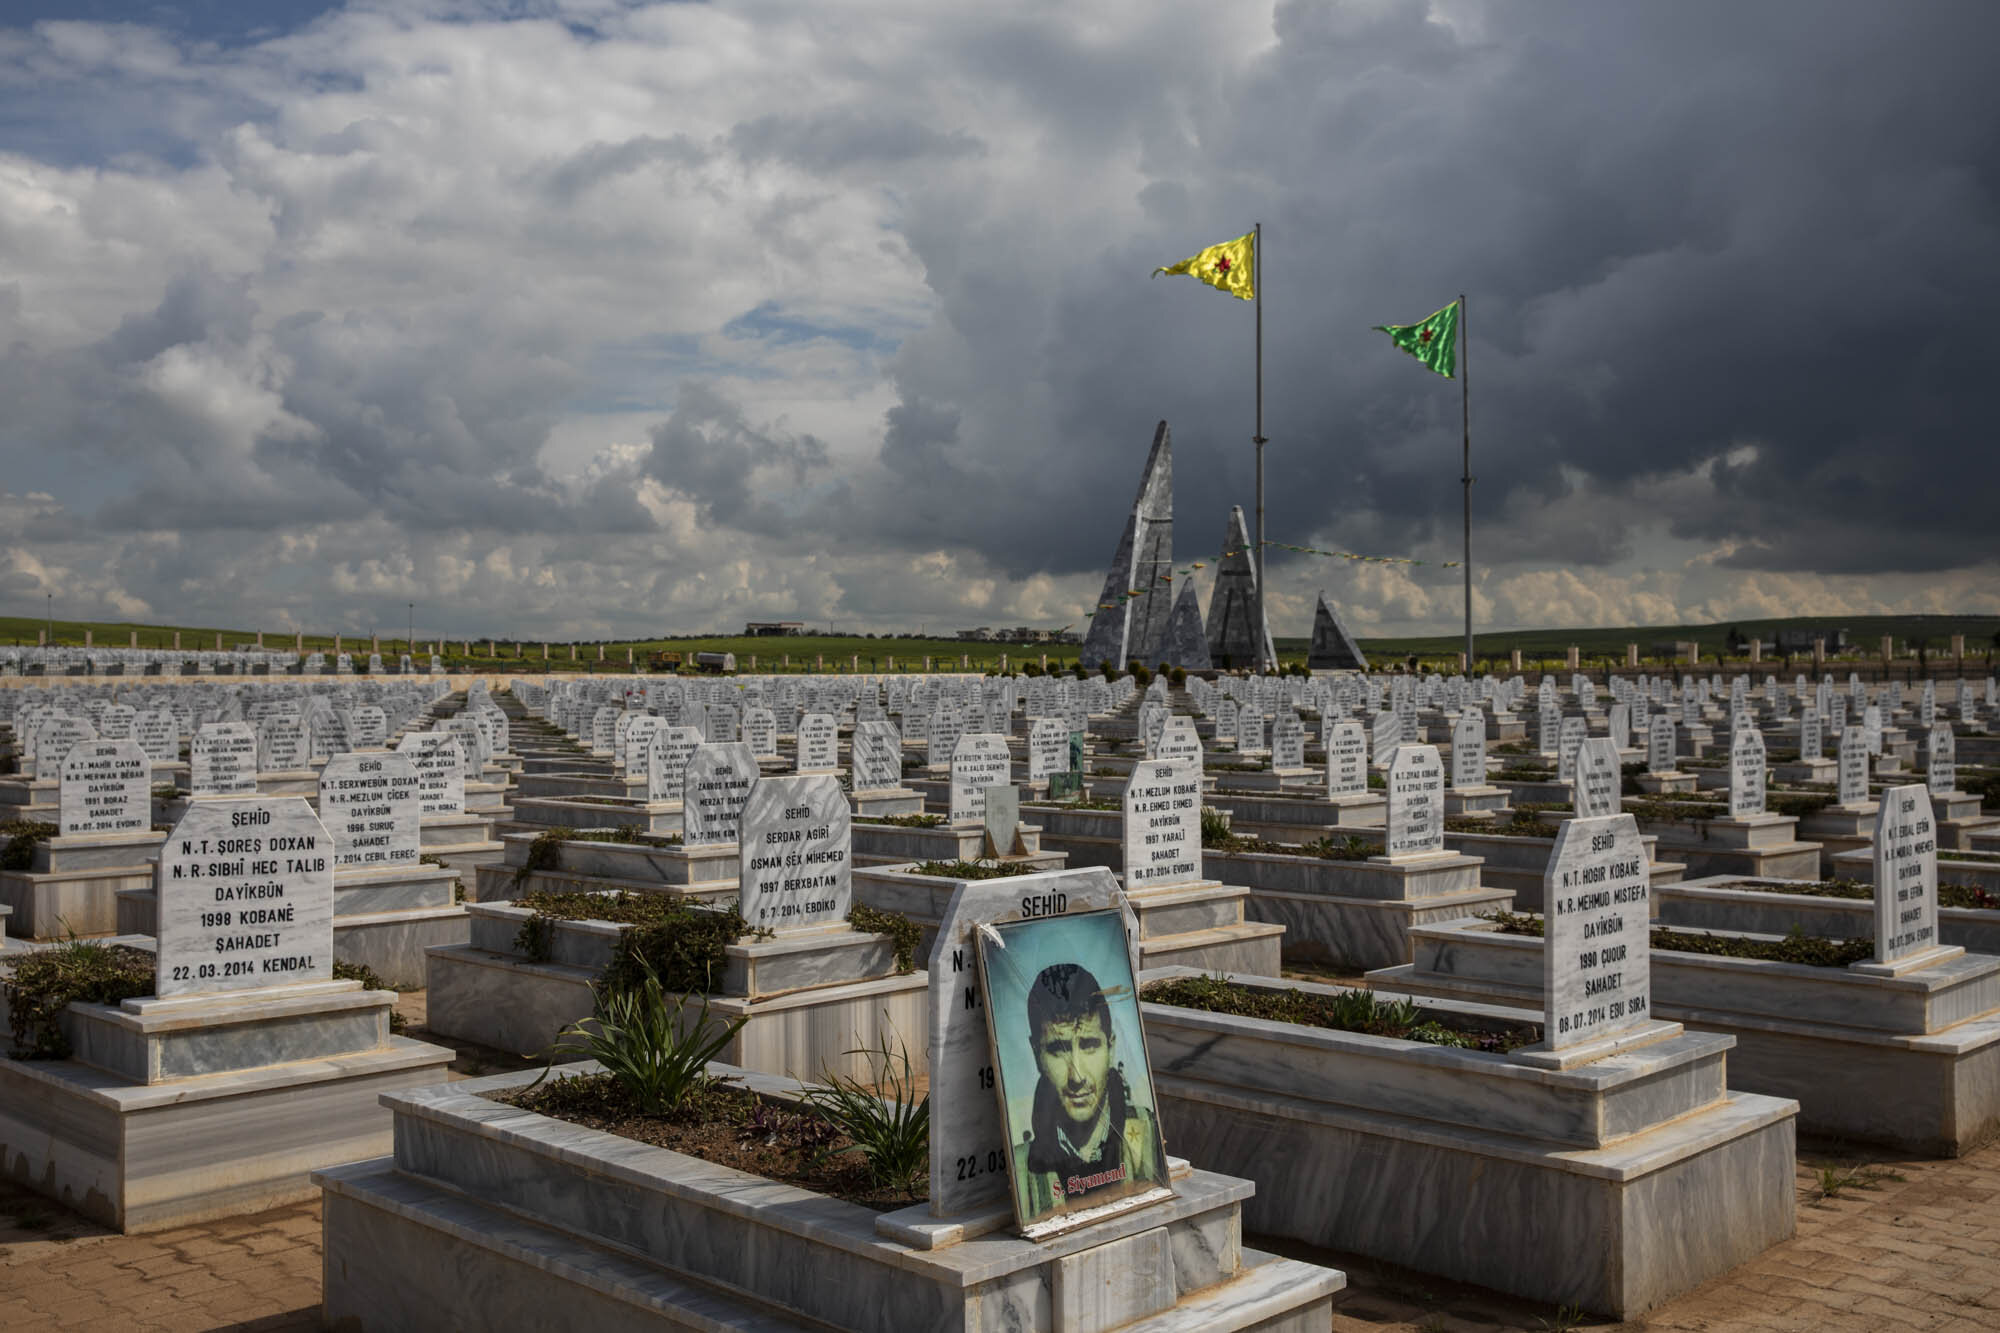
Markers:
point(889, 1125)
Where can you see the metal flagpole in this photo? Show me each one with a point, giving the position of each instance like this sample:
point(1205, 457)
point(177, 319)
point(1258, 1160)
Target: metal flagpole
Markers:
point(1465, 407)
point(1257, 277)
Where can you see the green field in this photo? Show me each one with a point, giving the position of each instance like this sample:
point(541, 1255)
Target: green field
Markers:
point(1541, 646)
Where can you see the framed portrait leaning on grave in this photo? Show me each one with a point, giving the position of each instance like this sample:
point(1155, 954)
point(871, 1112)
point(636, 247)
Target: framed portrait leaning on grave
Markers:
point(1076, 1093)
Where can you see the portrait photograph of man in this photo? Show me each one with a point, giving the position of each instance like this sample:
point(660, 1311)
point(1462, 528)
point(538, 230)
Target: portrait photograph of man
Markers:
point(1076, 1093)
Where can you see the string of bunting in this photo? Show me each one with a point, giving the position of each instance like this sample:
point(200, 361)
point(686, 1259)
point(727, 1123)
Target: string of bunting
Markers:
point(1170, 575)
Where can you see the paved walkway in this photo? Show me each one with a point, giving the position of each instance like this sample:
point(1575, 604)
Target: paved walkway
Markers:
point(1899, 1246)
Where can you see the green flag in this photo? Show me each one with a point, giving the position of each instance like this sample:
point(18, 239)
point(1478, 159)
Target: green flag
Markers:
point(1434, 341)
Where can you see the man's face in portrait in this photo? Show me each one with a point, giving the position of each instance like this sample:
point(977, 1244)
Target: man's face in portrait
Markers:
point(1075, 1057)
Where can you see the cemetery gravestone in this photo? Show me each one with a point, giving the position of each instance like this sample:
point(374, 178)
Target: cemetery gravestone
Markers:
point(1598, 779)
point(1941, 761)
point(1468, 751)
point(1181, 741)
point(1746, 774)
point(1853, 769)
point(968, 1139)
point(372, 805)
point(1346, 760)
point(1811, 741)
point(1905, 875)
point(1596, 955)
point(245, 894)
point(1048, 748)
point(877, 756)
point(107, 787)
point(440, 769)
point(157, 735)
point(1660, 744)
point(795, 842)
point(1570, 740)
point(979, 762)
point(223, 760)
point(667, 756)
point(717, 782)
point(1162, 824)
point(819, 743)
point(1385, 733)
point(1288, 744)
point(1415, 818)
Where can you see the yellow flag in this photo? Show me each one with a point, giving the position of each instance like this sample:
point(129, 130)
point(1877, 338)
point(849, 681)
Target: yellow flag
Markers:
point(1231, 266)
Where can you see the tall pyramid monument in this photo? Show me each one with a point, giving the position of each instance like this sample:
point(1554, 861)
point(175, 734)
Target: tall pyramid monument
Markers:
point(1333, 648)
point(1233, 643)
point(1137, 601)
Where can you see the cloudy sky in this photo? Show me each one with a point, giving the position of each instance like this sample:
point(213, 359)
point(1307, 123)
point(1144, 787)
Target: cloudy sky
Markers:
point(573, 318)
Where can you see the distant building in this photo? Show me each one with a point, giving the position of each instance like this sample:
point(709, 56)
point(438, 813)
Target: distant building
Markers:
point(770, 629)
point(980, 635)
point(1801, 640)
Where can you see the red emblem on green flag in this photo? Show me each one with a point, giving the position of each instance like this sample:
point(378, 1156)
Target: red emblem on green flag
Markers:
point(1433, 341)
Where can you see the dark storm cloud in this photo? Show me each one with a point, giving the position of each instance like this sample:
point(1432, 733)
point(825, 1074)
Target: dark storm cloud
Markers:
point(1682, 228)
point(708, 451)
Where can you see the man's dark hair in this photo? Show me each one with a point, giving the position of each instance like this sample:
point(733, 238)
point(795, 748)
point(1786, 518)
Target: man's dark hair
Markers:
point(1065, 993)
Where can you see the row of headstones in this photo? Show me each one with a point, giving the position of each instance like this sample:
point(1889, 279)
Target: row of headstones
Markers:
point(135, 661)
point(161, 720)
point(373, 801)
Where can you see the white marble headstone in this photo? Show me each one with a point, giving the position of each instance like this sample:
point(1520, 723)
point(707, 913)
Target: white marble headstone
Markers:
point(1746, 774)
point(1415, 819)
point(1941, 760)
point(1346, 760)
point(1595, 792)
point(223, 760)
point(106, 787)
point(717, 782)
point(877, 756)
point(372, 804)
point(1596, 958)
point(1162, 824)
point(245, 895)
point(980, 761)
point(819, 743)
point(440, 768)
point(1905, 874)
point(1853, 768)
point(795, 847)
point(1660, 736)
point(667, 754)
point(1048, 748)
point(1468, 751)
point(1568, 742)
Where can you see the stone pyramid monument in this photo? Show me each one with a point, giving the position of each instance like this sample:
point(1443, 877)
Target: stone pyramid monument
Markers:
point(1333, 648)
point(1133, 610)
point(1186, 644)
point(1233, 642)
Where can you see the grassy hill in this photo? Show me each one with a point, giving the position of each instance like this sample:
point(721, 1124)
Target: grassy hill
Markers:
point(1537, 645)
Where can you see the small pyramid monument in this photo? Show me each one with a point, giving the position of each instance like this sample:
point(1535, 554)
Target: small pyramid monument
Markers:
point(1333, 648)
point(1132, 612)
point(1233, 643)
point(1186, 644)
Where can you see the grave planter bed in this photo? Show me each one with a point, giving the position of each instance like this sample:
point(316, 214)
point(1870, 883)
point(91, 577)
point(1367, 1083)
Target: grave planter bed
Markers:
point(816, 1000)
point(886, 844)
point(610, 858)
point(1354, 913)
point(146, 1114)
point(1981, 869)
point(1299, 818)
point(1910, 1062)
point(1845, 909)
point(1644, 1172)
point(1516, 860)
point(1702, 836)
point(492, 1216)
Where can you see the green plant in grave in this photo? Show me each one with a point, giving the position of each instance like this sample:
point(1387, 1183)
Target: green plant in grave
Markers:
point(654, 1051)
point(889, 1125)
point(85, 971)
